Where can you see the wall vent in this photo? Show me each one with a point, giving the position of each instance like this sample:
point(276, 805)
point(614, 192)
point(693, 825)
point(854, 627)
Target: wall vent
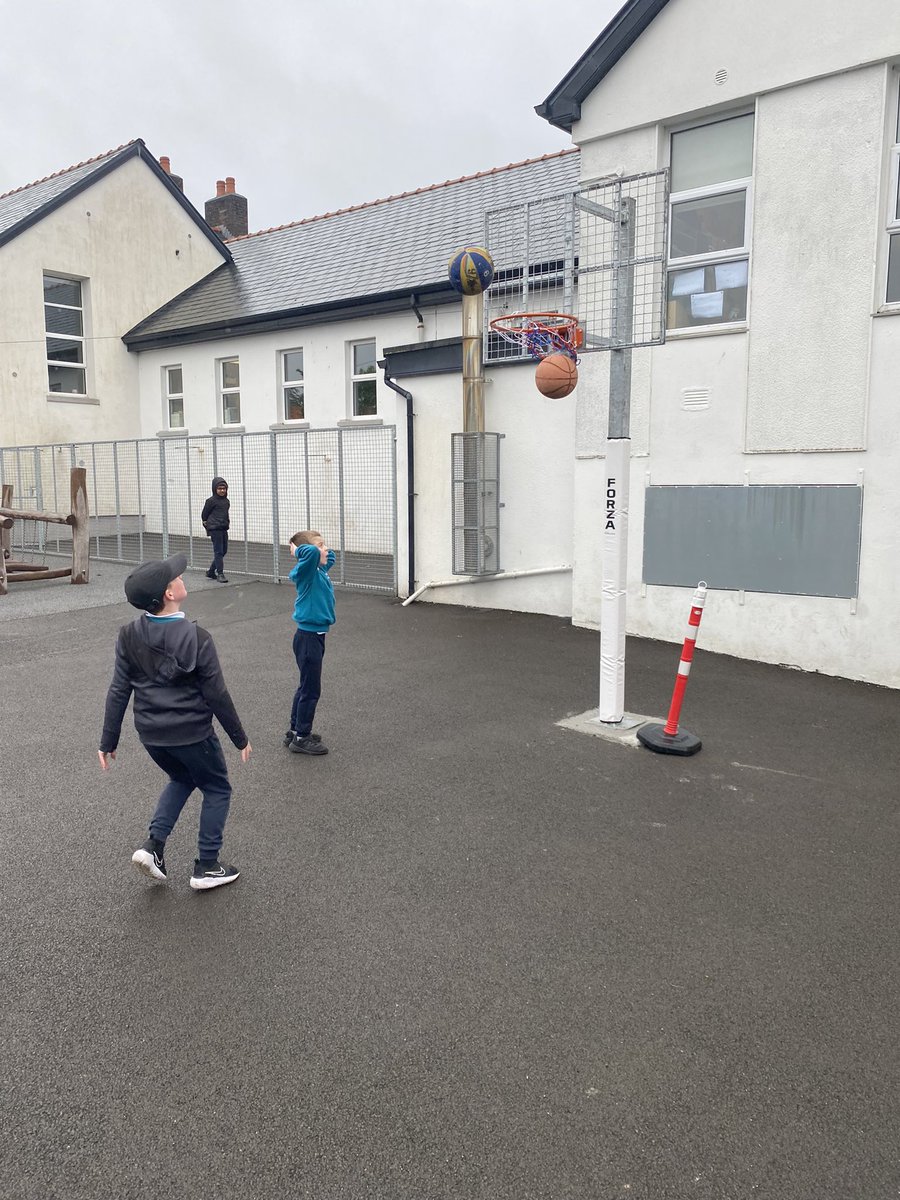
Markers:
point(695, 399)
point(721, 77)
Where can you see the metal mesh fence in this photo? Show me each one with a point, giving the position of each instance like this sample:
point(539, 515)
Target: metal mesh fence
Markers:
point(146, 497)
point(597, 253)
point(476, 503)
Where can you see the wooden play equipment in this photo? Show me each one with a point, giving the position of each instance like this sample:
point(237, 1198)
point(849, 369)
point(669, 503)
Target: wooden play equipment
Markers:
point(21, 572)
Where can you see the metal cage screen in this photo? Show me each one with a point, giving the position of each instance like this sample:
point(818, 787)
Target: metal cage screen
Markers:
point(598, 253)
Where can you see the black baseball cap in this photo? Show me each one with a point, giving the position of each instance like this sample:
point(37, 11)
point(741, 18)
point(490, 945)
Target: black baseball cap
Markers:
point(146, 584)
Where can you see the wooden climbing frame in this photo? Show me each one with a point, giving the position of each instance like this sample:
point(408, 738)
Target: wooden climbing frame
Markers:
point(77, 519)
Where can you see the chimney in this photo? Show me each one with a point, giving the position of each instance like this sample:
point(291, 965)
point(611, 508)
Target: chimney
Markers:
point(227, 212)
point(176, 179)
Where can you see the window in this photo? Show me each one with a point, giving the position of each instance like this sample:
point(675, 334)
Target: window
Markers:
point(292, 385)
point(362, 377)
point(892, 293)
point(64, 323)
point(230, 390)
point(174, 398)
point(709, 223)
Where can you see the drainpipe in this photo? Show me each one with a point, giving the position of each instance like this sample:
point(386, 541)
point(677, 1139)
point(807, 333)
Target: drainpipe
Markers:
point(464, 579)
point(410, 481)
point(420, 327)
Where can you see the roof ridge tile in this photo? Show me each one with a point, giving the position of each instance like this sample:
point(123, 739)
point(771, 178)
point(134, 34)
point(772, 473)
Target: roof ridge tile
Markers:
point(65, 170)
point(431, 187)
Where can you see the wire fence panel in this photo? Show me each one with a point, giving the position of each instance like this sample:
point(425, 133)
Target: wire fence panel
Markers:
point(146, 496)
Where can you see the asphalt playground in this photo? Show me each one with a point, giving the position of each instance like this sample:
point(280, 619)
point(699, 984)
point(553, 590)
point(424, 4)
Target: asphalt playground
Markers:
point(473, 954)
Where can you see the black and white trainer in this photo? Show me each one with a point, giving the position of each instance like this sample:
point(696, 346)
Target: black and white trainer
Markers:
point(208, 875)
point(149, 859)
point(311, 743)
point(290, 735)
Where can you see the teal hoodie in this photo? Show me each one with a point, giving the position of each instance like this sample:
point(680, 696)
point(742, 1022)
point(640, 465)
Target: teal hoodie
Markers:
point(314, 608)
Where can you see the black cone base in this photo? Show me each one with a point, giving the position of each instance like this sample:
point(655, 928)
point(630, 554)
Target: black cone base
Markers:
point(655, 738)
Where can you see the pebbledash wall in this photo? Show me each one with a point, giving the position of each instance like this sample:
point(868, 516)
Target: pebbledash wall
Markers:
point(136, 247)
point(806, 392)
point(536, 451)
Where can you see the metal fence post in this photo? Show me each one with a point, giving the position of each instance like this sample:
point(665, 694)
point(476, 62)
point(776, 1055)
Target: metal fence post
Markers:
point(163, 498)
point(243, 437)
point(276, 523)
point(340, 444)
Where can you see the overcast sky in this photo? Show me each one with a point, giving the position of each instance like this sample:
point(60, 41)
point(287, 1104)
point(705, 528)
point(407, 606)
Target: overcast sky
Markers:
point(311, 106)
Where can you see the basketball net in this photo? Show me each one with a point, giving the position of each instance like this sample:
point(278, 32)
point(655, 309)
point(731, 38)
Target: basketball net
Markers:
point(540, 334)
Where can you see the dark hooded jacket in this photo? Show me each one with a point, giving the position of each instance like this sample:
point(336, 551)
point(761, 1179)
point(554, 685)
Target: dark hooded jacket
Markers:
point(173, 670)
point(215, 510)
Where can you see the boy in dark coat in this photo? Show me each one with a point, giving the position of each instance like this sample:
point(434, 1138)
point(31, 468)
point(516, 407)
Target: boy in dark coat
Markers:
point(171, 666)
point(216, 522)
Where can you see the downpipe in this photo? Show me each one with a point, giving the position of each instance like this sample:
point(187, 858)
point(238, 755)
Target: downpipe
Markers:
point(437, 583)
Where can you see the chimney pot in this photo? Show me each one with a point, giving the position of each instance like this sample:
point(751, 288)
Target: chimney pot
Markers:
point(220, 187)
point(229, 185)
point(166, 165)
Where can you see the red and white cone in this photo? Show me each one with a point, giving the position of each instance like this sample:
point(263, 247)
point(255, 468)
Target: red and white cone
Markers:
point(668, 739)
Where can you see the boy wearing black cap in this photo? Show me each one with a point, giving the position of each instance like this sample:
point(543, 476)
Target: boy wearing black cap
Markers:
point(171, 666)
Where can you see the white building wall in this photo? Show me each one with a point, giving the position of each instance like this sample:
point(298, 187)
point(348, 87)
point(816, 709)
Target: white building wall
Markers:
point(137, 248)
point(536, 453)
point(675, 67)
point(536, 490)
point(808, 393)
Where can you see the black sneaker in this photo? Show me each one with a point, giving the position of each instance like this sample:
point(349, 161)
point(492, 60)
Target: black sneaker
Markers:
point(210, 574)
point(208, 875)
point(310, 744)
point(290, 735)
point(221, 578)
point(149, 859)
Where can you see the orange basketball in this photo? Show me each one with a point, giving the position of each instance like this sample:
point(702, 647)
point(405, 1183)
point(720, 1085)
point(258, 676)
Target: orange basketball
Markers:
point(556, 376)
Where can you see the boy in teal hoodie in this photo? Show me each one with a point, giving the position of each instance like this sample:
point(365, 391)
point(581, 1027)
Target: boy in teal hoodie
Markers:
point(314, 616)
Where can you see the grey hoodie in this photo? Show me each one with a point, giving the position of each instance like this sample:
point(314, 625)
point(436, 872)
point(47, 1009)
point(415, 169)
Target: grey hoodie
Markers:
point(173, 670)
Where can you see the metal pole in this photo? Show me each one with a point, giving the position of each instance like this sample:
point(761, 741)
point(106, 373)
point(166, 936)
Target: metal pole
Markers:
point(340, 451)
point(614, 578)
point(163, 500)
point(276, 522)
point(473, 423)
point(473, 366)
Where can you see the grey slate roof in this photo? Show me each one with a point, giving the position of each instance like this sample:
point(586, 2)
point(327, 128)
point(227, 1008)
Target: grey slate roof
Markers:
point(24, 202)
point(563, 106)
point(396, 246)
point(27, 205)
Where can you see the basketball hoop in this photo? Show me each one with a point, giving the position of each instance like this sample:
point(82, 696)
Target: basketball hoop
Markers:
point(540, 334)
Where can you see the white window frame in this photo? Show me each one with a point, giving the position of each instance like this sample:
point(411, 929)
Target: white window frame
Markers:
point(224, 391)
point(286, 384)
point(363, 377)
point(734, 254)
point(81, 339)
point(169, 395)
point(892, 224)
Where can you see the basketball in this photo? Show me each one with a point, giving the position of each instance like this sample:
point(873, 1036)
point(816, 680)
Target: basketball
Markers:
point(556, 376)
point(471, 270)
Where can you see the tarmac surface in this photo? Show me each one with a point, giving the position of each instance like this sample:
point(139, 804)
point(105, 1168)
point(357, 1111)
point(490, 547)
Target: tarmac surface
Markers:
point(472, 955)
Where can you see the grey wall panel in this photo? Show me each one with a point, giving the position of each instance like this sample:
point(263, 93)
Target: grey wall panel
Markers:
point(802, 540)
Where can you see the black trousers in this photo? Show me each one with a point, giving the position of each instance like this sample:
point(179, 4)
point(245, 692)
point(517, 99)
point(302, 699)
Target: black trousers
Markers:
point(220, 549)
point(309, 650)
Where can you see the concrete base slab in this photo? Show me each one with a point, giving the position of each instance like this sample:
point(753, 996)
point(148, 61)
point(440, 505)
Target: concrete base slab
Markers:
point(624, 731)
